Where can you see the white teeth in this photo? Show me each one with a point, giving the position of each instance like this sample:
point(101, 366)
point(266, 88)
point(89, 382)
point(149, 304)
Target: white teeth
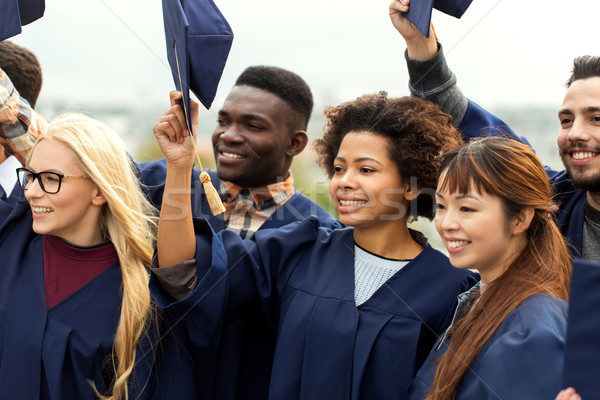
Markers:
point(231, 155)
point(457, 243)
point(581, 155)
point(347, 203)
point(42, 210)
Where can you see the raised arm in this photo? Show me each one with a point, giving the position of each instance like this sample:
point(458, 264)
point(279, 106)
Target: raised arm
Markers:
point(20, 125)
point(429, 75)
point(175, 239)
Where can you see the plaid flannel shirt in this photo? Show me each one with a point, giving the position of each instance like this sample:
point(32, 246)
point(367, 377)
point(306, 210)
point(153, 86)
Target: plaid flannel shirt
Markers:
point(20, 125)
point(247, 209)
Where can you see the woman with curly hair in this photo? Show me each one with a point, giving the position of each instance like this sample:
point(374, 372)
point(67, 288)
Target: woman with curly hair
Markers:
point(507, 339)
point(356, 309)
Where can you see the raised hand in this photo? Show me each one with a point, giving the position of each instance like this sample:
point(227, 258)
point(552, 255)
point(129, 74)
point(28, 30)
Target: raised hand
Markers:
point(172, 134)
point(419, 47)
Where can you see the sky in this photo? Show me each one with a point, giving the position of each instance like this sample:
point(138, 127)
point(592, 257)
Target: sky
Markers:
point(504, 52)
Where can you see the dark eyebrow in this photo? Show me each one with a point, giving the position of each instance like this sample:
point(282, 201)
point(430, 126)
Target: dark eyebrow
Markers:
point(361, 159)
point(586, 110)
point(255, 117)
point(460, 196)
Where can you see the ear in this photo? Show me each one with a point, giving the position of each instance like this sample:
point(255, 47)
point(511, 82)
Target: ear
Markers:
point(297, 143)
point(98, 198)
point(522, 221)
point(411, 192)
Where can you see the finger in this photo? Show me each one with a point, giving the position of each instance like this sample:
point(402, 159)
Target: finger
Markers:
point(169, 125)
point(194, 112)
point(175, 96)
point(398, 6)
point(163, 128)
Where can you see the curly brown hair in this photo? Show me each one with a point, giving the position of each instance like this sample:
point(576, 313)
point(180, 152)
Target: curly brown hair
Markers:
point(418, 132)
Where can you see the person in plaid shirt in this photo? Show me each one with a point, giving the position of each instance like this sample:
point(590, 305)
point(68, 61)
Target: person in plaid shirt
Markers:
point(26, 72)
point(261, 127)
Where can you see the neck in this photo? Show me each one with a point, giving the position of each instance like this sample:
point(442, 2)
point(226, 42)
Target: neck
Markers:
point(390, 241)
point(594, 199)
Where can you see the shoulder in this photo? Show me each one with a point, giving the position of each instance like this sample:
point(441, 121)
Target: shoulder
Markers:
point(304, 207)
point(540, 322)
point(541, 311)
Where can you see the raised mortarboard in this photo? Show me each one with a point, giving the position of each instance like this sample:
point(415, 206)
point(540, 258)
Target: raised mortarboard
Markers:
point(31, 10)
point(582, 352)
point(198, 41)
point(419, 12)
point(16, 13)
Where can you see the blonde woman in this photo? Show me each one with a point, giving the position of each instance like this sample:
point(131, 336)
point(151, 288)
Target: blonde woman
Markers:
point(74, 298)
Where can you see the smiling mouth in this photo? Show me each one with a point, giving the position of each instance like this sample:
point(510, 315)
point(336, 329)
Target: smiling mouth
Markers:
point(352, 203)
point(42, 210)
point(583, 155)
point(231, 155)
point(453, 244)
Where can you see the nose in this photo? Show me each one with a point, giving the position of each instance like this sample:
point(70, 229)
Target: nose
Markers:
point(33, 190)
point(347, 180)
point(446, 221)
point(231, 134)
point(579, 131)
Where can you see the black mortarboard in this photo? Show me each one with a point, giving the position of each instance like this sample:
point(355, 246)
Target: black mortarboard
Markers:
point(30, 10)
point(419, 12)
point(10, 23)
point(198, 42)
point(16, 13)
point(582, 352)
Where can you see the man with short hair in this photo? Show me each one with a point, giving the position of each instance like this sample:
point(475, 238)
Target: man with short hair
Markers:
point(261, 127)
point(577, 189)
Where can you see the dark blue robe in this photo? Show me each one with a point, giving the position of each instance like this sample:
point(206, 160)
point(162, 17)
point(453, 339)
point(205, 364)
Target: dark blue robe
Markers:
point(238, 365)
point(582, 354)
point(479, 122)
point(521, 361)
point(53, 353)
point(302, 276)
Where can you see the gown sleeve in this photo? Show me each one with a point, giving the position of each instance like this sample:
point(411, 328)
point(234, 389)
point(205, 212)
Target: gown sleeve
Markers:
point(234, 275)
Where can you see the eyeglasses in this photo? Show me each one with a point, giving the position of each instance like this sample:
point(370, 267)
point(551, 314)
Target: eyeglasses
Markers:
point(49, 181)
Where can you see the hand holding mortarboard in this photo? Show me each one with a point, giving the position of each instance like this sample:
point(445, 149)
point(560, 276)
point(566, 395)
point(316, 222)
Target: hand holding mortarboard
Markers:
point(171, 132)
point(198, 41)
point(420, 11)
point(419, 46)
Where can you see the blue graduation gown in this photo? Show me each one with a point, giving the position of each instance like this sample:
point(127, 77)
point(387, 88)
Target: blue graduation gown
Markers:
point(479, 122)
point(582, 354)
point(238, 365)
point(522, 359)
point(302, 275)
point(52, 353)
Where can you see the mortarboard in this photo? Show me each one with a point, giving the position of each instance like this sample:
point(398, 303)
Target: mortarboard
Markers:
point(198, 41)
point(10, 23)
point(582, 351)
point(16, 13)
point(30, 10)
point(419, 12)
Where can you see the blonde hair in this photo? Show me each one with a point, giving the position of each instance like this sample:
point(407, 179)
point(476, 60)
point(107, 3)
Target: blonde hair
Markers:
point(127, 219)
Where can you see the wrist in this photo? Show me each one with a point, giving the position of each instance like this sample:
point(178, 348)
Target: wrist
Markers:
point(421, 48)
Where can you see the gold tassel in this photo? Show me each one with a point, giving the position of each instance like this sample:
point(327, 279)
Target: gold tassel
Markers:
point(213, 197)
